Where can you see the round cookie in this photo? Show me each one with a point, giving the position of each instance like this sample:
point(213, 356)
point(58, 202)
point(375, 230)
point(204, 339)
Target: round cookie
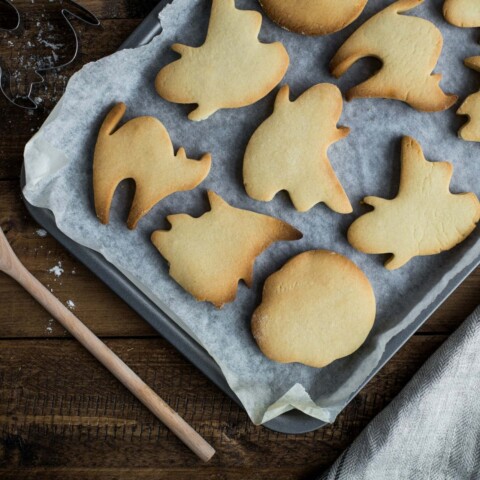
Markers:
point(462, 13)
point(313, 17)
point(317, 308)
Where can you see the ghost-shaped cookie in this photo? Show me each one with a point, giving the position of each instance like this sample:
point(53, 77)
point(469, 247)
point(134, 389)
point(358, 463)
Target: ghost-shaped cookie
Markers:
point(288, 151)
point(140, 149)
point(425, 218)
point(209, 255)
point(231, 69)
point(409, 48)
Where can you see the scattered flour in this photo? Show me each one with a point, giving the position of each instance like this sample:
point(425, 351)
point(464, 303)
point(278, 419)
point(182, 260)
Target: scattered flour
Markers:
point(70, 304)
point(41, 232)
point(49, 328)
point(57, 270)
point(53, 46)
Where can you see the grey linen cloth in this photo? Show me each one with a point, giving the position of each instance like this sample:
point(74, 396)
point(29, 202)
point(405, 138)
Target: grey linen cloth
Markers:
point(431, 430)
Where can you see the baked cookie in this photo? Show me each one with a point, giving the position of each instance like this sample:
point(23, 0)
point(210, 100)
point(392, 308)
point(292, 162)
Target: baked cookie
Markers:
point(424, 218)
point(231, 69)
point(471, 108)
point(313, 17)
point(408, 47)
point(209, 255)
point(317, 308)
point(462, 13)
point(288, 151)
point(142, 150)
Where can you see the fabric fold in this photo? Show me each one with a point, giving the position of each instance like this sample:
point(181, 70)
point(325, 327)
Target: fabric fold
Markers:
point(431, 430)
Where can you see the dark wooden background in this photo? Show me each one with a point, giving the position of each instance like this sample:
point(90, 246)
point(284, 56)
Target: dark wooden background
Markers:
point(62, 416)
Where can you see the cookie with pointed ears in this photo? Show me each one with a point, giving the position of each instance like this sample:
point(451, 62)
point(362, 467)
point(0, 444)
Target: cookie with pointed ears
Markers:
point(231, 69)
point(288, 151)
point(209, 255)
point(317, 308)
point(313, 17)
point(140, 149)
point(462, 13)
point(425, 218)
point(408, 47)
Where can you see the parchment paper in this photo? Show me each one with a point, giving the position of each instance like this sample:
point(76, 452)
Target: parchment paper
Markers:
point(59, 165)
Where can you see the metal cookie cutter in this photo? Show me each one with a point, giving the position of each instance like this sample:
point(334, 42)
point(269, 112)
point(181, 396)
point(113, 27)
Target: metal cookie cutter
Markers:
point(70, 9)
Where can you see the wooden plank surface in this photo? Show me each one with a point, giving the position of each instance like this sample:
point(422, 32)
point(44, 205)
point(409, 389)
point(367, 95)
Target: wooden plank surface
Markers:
point(62, 416)
point(61, 411)
point(112, 9)
point(17, 126)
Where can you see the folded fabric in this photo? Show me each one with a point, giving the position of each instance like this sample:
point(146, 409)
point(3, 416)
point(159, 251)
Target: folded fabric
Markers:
point(431, 430)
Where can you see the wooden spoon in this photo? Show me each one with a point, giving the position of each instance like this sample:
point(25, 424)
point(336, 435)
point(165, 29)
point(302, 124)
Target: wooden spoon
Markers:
point(11, 265)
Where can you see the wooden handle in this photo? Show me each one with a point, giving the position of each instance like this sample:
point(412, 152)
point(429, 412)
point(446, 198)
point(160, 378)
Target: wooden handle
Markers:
point(105, 356)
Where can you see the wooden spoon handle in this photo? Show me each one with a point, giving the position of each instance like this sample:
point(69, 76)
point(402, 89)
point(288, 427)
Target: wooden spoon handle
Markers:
point(110, 361)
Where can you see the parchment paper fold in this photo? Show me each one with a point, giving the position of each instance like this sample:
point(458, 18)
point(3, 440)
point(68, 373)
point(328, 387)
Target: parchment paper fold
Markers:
point(58, 163)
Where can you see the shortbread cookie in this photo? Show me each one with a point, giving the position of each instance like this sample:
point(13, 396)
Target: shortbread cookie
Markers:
point(424, 218)
point(462, 13)
point(408, 47)
point(209, 255)
point(313, 17)
point(288, 151)
point(231, 69)
point(142, 150)
point(317, 308)
point(471, 108)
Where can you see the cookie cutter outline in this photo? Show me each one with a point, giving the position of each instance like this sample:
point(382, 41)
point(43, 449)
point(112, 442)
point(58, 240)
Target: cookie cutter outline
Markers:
point(88, 18)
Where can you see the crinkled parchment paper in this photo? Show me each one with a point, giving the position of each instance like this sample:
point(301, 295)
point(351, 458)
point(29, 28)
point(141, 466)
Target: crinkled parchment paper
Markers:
point(59, 166)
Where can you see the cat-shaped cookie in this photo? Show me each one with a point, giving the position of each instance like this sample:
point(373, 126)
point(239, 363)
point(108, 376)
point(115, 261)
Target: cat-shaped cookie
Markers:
point(408, 47)
point(140, 149)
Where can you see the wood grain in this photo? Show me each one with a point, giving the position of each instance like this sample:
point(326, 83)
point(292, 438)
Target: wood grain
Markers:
point(62, 416)
point(11, 265)
point(78, 421)
point(115, 9)
point(96, 42)
point(94, 303)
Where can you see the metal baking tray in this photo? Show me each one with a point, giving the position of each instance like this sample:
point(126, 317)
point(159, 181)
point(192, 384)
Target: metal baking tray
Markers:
point(293, 422)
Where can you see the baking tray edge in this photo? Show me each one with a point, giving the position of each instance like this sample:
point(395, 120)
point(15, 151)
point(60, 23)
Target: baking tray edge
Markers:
point(292, 422)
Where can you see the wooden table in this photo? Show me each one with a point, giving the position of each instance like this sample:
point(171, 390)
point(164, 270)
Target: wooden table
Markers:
point(62, 416)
